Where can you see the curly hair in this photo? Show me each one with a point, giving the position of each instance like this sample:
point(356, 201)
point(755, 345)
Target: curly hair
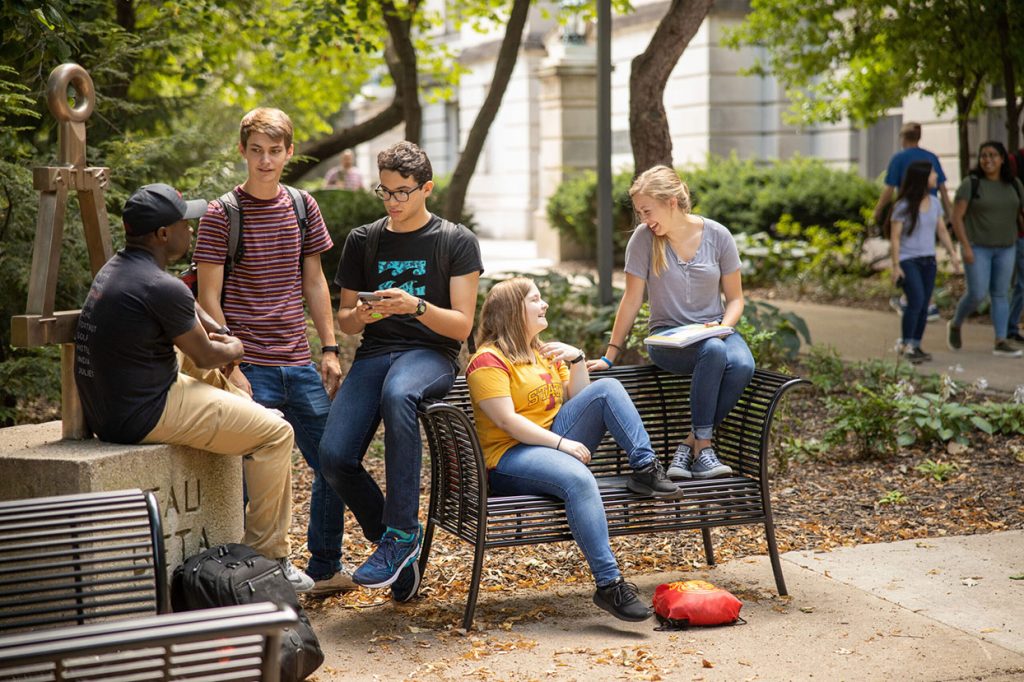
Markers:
point(406, 159)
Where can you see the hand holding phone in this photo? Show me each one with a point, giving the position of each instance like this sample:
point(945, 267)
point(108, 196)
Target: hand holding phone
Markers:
point(369, 297)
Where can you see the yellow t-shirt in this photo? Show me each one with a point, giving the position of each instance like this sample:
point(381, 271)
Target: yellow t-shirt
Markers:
point(536, 390)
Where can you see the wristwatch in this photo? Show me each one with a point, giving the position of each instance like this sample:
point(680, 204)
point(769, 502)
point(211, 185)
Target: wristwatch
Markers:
point(421, 307)
point(579, 358)
point(329, 349)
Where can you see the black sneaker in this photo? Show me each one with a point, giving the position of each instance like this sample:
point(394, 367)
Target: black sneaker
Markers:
point(621, 599)
point(1005, 350)
point(916, 356)
point(652, 480)
point(408, 584)
point(953, 336)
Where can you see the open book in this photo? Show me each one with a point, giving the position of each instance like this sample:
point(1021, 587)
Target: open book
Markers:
point(681, 337)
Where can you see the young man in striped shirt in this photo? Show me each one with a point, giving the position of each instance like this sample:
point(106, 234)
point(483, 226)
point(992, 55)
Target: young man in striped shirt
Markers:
point(408, 285)
point(261, 302)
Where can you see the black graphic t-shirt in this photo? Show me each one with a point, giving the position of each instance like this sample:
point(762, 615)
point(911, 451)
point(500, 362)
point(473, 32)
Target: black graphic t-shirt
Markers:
point(408, 261)
point(124, 347)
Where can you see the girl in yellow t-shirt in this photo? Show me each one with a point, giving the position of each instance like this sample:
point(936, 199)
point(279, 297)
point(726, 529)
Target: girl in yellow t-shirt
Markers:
point(539, 417)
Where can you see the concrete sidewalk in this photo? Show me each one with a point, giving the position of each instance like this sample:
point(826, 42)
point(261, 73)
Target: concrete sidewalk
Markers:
point(859, 334)
point(937, 609)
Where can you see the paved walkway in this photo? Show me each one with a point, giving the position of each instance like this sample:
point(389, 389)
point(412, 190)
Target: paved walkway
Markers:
point(937, 609)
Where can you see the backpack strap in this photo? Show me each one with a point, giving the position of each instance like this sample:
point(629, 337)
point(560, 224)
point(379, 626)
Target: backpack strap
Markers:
point(373, 233)
point(975, 186)
point(233, 210)
point(443, 257)
point(299, 206)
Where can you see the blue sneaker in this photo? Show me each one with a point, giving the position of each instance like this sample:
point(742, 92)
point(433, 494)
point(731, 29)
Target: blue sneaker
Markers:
point(706, 465)
point(408, 584)
point(393, 553)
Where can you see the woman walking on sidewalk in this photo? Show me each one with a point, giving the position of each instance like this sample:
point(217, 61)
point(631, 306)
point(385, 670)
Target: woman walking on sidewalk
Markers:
point(539, 417)
point(986, 212)
point(916, 220)
point(686, 262)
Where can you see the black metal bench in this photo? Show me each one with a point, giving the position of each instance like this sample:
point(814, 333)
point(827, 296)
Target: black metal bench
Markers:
point(460, 502)
point(78, 559)
point(230, 643)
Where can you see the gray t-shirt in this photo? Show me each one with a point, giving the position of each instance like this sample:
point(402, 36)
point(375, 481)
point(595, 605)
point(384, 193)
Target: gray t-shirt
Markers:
point(921, 242)
point(685, 292)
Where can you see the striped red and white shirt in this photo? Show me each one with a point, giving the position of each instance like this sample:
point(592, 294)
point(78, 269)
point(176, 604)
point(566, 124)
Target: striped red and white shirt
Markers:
point(262, 299)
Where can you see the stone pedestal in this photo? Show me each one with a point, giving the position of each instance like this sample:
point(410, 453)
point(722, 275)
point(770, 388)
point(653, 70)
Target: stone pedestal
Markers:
point(200, 493)
point(568, 136)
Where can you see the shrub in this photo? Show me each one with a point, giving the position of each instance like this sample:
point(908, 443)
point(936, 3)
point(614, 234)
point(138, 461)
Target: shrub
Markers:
point(867, 418)
point(742, 195)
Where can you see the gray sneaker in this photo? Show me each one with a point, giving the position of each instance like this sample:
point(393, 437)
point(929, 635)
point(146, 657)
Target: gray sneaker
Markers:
point(679, 469)
point(339, 582)
point(299, 580)
point(707, 466)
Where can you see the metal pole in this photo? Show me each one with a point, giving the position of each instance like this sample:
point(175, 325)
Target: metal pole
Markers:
point(605, 260)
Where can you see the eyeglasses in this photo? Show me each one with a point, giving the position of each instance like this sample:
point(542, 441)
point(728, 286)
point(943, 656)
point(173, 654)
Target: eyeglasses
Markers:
point(399, 195)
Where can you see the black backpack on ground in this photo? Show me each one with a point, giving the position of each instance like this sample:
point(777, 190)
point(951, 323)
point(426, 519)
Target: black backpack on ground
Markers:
point(233, 574)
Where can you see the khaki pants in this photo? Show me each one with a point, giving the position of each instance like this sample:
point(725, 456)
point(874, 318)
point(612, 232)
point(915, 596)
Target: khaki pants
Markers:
point(209, 413)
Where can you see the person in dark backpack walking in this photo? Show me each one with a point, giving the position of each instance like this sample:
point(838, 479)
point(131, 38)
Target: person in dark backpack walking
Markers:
point(985, 219)
point(408, 285)
point(133, 389)
point(258, 292)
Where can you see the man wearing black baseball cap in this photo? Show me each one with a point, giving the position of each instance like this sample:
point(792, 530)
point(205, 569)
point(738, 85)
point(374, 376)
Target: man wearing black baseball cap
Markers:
point(133, 390)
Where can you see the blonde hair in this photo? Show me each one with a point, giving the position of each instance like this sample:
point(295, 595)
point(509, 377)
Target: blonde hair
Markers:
point(661, 183)
point(503, 320)
point(273, 123)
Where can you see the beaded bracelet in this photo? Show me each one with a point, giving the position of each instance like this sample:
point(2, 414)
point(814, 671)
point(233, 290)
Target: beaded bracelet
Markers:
point(609, 362)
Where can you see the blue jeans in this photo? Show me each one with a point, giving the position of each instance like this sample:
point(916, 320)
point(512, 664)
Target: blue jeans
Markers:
point(990, 273)
point(1017, 300)
point(298, 392)
point(918, 283)
point(384, 387)
point(537, 470)
point(721, 369)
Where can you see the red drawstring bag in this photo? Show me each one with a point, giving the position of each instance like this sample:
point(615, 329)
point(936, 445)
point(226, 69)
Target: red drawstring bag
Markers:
point(695, 602)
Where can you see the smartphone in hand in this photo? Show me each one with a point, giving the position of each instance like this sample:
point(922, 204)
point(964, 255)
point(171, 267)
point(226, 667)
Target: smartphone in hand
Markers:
point(369, 297)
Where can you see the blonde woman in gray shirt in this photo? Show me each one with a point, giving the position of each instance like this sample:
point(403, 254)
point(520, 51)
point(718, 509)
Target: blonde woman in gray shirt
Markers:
point(687, 263)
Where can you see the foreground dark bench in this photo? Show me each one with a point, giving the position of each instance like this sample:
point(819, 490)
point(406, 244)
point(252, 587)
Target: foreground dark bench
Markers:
point(461, 505)
point(78, 559)
point(230, 643)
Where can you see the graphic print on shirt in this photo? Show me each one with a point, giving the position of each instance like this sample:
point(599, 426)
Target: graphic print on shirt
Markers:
point(407, 275)
point(549, 391)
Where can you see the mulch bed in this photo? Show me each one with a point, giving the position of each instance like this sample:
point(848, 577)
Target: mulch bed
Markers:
point(829, 501)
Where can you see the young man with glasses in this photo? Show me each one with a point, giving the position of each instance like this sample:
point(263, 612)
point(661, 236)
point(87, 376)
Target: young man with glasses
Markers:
point(408, 284)
point(260, 298)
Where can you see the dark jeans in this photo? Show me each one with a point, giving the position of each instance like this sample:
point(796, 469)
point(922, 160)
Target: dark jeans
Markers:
point(383, 387)
point(1017, 299)
point(298, 392)
point(918, 283)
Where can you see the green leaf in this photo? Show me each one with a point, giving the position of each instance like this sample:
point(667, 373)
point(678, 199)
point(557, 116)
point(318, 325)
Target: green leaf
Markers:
point(983, 425)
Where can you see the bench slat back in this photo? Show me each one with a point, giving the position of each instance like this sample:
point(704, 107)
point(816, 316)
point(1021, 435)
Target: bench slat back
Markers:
point(78, 559)
point(231, 643)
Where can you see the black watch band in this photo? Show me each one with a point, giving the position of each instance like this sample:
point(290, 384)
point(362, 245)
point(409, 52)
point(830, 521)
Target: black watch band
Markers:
point(579, 358)
point(329, 349)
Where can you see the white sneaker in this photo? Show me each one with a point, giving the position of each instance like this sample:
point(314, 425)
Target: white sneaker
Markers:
point(299, 580)
point(339, 582)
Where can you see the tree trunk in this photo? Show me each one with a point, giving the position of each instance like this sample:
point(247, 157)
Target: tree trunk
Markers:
point(400, 30)
point(649, 72)
point(1003, 33)
point(964, 101)
point(506, 63)
point(312, 153)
